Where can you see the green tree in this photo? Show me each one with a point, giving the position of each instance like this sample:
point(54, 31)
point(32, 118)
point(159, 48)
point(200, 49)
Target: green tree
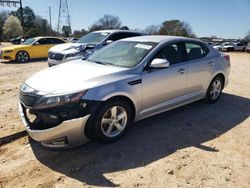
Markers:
point(3, 17)
point(177, 28)
point(247, 37)
point(28, 17)
point(79, 33)
point(12, 27)
point(106, 22)
point(41, 27)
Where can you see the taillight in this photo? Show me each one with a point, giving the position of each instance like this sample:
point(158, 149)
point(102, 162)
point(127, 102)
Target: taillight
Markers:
point(227, 57)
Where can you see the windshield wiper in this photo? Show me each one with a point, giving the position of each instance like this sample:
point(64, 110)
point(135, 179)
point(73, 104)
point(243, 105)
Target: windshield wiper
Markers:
point(97, 62)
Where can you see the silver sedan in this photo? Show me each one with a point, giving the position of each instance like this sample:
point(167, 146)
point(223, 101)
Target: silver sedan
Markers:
point(129, 80)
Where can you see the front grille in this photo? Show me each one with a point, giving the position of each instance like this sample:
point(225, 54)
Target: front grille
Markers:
point(27, 99)
point(55, 56)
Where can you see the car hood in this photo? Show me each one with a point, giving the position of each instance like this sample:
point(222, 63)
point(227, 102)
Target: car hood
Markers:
point(71, 77)
point(14, 47)
point(68, 48)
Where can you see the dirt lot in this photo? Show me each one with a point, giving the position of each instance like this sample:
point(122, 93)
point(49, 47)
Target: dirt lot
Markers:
point(198, 145)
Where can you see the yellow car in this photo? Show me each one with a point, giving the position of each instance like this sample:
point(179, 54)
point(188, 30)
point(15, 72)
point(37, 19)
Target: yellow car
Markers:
point(32, 48)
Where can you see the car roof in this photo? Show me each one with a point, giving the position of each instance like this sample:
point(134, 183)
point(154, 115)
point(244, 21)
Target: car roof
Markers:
point(41, 37)
point(118, 30)
point(159, 38)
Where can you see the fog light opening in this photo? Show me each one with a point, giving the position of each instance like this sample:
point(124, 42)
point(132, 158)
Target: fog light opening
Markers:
point(58, 142)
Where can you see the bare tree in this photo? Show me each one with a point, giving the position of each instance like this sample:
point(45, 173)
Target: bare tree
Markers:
point(107, 22)
point(152, 29)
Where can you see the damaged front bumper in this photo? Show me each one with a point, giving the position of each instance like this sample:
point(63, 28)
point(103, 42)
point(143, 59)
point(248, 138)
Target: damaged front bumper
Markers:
point(69, 133)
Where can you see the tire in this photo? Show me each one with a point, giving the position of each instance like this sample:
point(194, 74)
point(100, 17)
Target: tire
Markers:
point(107, 125)
point(214, 90)
point(22, 57)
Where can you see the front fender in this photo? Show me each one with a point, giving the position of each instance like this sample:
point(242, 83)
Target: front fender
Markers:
point(119, 88)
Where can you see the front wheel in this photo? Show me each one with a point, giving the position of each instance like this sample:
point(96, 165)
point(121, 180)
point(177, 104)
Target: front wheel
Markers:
point(22, 57)
point(214, 90)
point(112, 120)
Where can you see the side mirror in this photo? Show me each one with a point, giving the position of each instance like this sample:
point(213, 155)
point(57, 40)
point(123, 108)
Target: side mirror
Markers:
point(109, 42)
point(159, 63)
point(36, 43)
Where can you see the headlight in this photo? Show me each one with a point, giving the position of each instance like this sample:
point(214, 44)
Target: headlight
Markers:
point(54, 101)
point(8, 51)
point(73, 55)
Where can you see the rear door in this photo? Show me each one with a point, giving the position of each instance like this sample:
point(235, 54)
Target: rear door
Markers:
point(200, 67)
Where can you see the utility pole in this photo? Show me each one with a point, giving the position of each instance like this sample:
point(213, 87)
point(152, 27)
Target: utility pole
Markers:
point(50, 17)
point(22, 22)
point(64, 25)
point(59, 17)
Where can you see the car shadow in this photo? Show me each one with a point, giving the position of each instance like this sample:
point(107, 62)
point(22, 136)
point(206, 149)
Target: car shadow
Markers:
point(30, 61)
point(148, 140)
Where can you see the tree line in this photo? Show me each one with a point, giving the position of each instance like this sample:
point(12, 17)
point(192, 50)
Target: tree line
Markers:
point(35, 25)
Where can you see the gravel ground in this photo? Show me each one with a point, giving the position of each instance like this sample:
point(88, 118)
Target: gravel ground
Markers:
point(198, 145)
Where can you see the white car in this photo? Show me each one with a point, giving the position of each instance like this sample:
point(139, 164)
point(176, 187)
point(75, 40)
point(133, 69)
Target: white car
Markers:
point(234, 47)
point(86, 45)
point(219, 46)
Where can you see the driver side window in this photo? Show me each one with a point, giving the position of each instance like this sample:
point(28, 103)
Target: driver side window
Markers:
point(171, 52)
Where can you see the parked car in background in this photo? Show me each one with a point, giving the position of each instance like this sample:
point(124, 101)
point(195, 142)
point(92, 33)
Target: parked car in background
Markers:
point(234, 47)
point(129, 80)
point(86, 45)
point(248, 47)
point(218, 46)
point(17, 40)
point(32, 48)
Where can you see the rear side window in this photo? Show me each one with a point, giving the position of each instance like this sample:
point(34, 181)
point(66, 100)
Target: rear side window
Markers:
point(195, 50)
point(43, 41)
point(171, 52)
point(56, 41)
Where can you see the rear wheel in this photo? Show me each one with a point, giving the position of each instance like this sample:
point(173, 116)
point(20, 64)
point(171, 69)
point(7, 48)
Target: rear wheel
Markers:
point(214, 90)
point(112, 120)
point(22, 57)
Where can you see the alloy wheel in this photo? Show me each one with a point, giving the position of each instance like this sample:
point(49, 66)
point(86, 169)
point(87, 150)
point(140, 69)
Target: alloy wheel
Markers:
point(114, 121)
point(23, 57)
point(215, 89)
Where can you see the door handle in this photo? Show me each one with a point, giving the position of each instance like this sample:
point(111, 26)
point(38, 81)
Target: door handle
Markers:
point(211, 64)
point(181, 71)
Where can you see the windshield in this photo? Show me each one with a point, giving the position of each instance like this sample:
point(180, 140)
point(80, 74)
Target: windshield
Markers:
point(29, 41)
point(123, 53)
point(93, 38)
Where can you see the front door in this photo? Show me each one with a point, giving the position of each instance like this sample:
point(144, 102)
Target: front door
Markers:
point(163, 85)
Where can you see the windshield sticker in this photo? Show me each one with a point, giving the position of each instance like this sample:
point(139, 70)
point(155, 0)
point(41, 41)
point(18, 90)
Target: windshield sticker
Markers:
point(105, 34)
point(144, 46)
